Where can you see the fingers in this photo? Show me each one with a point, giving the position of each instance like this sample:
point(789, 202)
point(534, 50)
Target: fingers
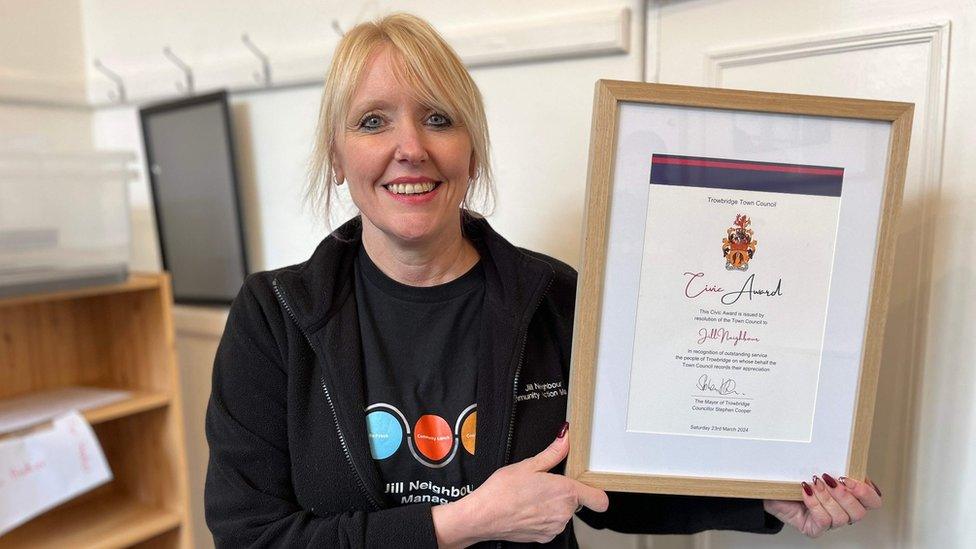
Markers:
point(791, 512)
point(552, 455)
point(838, 516)
point(843, 496)
point(820, 520)
point(831, 503)
point(591, 498)
point(866, 492)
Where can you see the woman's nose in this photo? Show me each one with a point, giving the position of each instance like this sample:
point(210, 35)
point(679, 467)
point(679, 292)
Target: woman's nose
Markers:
point(410, 145)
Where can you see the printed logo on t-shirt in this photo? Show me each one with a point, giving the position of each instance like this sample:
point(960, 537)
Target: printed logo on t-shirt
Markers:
point(430, 440)
point(541, 390)
point(425, 491)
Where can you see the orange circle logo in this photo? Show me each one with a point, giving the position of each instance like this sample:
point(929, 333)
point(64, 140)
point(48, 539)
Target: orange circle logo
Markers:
point(468, 432)
point(433, 437)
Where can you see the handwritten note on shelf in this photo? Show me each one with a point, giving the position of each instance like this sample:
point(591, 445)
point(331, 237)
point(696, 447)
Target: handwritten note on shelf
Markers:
point(47, 467)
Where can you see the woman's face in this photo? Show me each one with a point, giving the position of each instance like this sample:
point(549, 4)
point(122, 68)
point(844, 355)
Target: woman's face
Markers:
point(408, 166)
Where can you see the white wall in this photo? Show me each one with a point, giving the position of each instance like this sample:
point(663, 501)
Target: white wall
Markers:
point(26, 127)
point(42, 60)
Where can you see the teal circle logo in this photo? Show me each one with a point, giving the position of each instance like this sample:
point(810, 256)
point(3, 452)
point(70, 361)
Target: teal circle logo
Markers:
point(385, 433)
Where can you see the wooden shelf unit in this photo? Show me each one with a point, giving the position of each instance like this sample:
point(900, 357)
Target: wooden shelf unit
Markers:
point(118, 337)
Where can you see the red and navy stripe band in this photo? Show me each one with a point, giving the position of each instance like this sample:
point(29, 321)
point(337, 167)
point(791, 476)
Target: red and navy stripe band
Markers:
point(746, 175)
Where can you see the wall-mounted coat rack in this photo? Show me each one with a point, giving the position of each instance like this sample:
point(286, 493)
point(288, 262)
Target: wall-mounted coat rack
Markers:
point(264, 77)
point(119, 94)
point(604, 31)
point(187, 85)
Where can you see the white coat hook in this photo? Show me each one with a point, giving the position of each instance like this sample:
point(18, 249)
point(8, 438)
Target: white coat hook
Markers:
point(337, 28)
point(119, 94)
point(187, 85)
point(264, 76)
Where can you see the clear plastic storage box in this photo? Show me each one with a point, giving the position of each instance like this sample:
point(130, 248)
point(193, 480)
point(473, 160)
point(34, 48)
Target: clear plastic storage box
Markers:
point(64, 220)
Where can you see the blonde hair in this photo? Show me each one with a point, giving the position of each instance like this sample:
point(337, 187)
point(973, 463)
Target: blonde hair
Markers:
point(426, 64)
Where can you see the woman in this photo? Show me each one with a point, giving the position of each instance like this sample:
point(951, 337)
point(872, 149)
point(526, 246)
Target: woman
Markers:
point(370, 396)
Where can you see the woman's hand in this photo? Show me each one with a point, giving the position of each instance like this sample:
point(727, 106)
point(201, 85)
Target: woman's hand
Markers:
point(827, 504)
point(521, 502)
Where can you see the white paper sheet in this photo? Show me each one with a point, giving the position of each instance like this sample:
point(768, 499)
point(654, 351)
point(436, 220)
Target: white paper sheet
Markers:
point(47, 467)
point(719, 350)
point(29, 410)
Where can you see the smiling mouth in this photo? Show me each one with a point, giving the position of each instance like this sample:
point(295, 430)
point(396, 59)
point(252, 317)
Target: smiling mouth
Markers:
point(411, 188)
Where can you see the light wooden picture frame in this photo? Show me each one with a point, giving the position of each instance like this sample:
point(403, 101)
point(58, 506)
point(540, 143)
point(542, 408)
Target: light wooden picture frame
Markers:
point(628, 416)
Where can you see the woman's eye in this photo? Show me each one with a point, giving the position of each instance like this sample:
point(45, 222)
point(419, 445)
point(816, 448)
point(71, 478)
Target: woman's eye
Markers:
point(438, 120)
point(371, 122)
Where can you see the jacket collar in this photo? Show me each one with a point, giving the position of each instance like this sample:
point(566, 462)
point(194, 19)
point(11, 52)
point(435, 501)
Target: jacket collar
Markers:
point(317, 288)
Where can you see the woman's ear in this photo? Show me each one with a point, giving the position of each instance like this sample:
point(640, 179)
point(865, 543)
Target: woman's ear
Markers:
point(338, 175)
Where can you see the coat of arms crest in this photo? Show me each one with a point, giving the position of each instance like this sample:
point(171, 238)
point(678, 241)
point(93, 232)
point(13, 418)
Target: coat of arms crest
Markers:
point(738, 246)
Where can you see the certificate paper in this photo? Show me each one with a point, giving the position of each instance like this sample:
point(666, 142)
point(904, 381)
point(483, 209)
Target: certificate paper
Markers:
point(735, 277)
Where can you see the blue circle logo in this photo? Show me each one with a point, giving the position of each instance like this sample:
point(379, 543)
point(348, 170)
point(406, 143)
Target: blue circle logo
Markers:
point(385, 433)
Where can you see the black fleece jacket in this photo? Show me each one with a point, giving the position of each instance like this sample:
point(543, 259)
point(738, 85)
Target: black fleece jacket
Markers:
point(289, 459)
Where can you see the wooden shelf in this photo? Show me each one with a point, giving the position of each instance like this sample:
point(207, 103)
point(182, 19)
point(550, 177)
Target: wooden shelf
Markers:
point(116, 336)
point(140, 401)
point(136, 282)
point(114, 521)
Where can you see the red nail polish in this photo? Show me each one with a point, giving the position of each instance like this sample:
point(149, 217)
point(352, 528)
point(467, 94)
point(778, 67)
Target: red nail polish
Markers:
point(807, 488)
point(843, 480)
point(830, 480)
point(875, 486)
point(563, 429)
point(816, 480)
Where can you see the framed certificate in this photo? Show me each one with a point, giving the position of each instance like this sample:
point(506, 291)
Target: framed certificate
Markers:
point(736, 263)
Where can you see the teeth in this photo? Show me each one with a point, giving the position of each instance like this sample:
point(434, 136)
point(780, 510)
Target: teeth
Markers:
point(410, 188)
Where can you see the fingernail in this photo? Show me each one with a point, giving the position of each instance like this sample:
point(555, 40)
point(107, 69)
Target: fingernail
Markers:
point(830, 480)
point(875, 486)
point(843, 480)
point(563, 429)
point(807, 488)
point(816, 480)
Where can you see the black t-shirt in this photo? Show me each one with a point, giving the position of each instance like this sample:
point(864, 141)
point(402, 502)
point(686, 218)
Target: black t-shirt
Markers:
point(421, 349)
